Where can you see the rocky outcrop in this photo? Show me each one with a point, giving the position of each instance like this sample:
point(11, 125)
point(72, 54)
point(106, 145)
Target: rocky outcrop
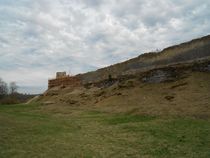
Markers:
point(174, 72)
point(159, 76)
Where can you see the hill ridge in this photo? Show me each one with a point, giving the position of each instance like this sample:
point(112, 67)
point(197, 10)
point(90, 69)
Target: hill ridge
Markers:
point(191, 51)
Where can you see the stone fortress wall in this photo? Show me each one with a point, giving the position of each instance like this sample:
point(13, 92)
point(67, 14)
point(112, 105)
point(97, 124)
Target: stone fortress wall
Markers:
point(193, 51)
point(62, 79)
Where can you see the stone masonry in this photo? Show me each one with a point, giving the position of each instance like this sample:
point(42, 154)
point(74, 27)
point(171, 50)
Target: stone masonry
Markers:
point(63, 80)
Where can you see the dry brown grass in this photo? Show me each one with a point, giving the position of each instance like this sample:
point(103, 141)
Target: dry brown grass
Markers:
point(189, 96)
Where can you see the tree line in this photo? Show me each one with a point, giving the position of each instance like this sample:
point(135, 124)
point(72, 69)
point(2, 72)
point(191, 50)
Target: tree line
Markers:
point(9, 93)
point(6, 89)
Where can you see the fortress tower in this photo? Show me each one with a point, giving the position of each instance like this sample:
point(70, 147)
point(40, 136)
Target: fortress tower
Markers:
point(63, 80)
point(60, 74)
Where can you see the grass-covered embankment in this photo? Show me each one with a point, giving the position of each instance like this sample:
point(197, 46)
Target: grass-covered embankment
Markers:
point(44, 131)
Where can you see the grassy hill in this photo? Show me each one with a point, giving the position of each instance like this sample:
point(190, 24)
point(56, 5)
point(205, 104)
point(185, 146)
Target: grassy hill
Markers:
point(187, 96)
point(175, 81)
point(59, 130)
point(155, 105)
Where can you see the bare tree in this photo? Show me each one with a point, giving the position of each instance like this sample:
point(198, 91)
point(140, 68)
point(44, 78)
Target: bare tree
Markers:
point(3, 88)
point(13, 87)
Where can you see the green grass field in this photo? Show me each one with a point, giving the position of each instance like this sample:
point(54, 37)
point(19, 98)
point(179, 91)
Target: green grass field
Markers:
point(43, 131)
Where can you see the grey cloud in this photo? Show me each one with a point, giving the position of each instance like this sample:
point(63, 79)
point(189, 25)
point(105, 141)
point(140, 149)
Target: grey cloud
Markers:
point(93, 3)
point(38, 38)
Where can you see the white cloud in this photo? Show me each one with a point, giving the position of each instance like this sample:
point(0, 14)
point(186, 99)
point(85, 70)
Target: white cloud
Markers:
point(38, 38)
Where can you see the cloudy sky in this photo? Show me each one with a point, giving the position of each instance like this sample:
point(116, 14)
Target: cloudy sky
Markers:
point(40, 37)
